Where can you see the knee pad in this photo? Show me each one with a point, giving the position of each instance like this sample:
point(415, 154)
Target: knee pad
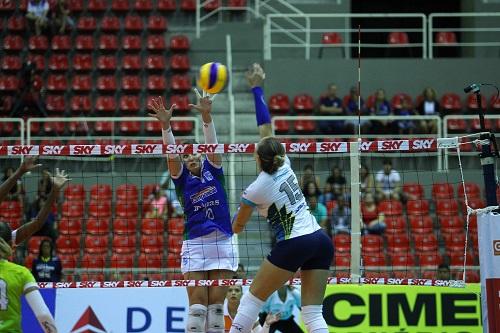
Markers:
point(215, 318)
point(196, 318)
point(248, 311)
point(312, 315)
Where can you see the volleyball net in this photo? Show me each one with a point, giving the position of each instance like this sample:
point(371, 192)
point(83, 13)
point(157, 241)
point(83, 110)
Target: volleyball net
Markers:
point(407, 211)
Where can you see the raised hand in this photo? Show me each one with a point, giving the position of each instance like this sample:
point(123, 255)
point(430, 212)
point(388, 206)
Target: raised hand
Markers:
point(204, 104)
point(5, 249)
point(255, 75)
point(160, 112)
point(29, 164)
point(60, 179)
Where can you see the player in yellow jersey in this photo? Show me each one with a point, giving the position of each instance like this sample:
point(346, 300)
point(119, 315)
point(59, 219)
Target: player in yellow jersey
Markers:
point(15, 281)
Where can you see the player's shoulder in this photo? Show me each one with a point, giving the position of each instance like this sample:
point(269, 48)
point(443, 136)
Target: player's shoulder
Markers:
point(12, 268)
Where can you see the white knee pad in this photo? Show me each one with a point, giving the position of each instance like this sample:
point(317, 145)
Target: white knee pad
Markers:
point(196, 318)
point(215, 318)
point(248, 311)
point(312, 315)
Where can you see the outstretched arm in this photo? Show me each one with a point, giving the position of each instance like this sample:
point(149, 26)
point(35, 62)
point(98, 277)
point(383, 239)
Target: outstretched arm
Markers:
point(255, 77)
point(28, 164)
point(40, 309)
point(242, 216)
point(160, 112)
point(26, 230)
point(204, 106)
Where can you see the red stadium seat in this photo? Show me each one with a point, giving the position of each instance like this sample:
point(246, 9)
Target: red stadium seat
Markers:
point(417, 207)
point(78, 127)
point(304, 126)
point(153, 127)
point(372, 243)
point(127, 209)
point(38, 60)
point(402, 261)
point(303, 103)
point(166, 5)
point(149, 261)
point(55, 104)
point(237, 3)
point(342, 261)
point(70, 226)
point(421, 224)
point(174, 243)
point(394, 224)
point(11, 63)
point(415, 190)
point(470, 277)
point(129, 104)
point(124, 226)
point(442, 191)
point(100, 192)
point(105, 104)
point(10, 83)
point(152, 226)
point(399, 37)
point(130, 127)
point(127, 192)
point(143, 5)
point(122, 261)
point(74, 192)
point(476, 124)
point(86, 24)
point(173, 260)
point(182, 127)
point(54, 127)
point(446, 37)
point(179, 43)
point(180, 83)
point(331, 38)
point(124, 244)
point(97, 226)
point(342, 243)
point(458, 258)
point(38, 43)
point(82, 83)
point(56, 82)
point(155, 63)
point(93, 261)
point(456, 125)
point(68, 262)
point(495, 104)
point(16, 24)
point(474, 203)
point(156, 43)
point(156, 83)
point(133, 23)
point(106, 63)
point(131, 83)
point(176, 226)
point(152, 243)
point(110, 24)
point(212, 5)
point(188, 5)
point(373, 261)
point(68, 244)
point(179, 62)
point(182, 103)
point(430, 259)
point(157, 24)
point(106, 83)
point(450, 103)
point(132, 43)
point(472, 104)
point(398, 99)
point(94, 277)
point(13, 43)
point(425, 243)
point(97, 5)
point(82, 62)
point(398, 243)
point(279, 103)
point(120, 5)
point(454, 242)
point(446, 207)
point(80, 104)
point(390, 207)
point(72, 209)
point(131, 63)
point(99, 209)
point(96, 244)
point(84, 43)
point(75, 6)
point(108, 43)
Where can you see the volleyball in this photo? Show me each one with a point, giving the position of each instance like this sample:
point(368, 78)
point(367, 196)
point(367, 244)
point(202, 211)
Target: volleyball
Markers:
point(213, 77)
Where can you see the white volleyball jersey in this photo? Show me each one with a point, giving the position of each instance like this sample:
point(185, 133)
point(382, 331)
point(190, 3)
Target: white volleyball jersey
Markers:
point(278, 198)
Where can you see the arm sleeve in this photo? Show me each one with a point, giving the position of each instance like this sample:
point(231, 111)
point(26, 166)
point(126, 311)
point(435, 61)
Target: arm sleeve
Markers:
point(41, 311)
point(250, 195)
point(296, 296)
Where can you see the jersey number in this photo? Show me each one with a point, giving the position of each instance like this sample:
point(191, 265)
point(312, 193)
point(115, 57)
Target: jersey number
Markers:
point(292, 190)
point(209, 214)
point(4, 301)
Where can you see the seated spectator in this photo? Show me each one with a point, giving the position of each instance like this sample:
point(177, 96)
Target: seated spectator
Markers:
point(36, 14)
point(351, 109)
point(319, 211)
point(29, 100)
point(335, 184)
point(17, 191)
point(381, 107)
point(405, 126)
point(167, 186)
point(308, 176)
point(283, 301)
point(367, 181)
point(49, 227)
point(443, 272)
point(311, 189)
point(373, 220)
point(388, 182)
point(47, 267)
point(331, 105)
point(158, 205)
point(44, 184)
point(341, 217)
point(60, 17)
point(428, 107)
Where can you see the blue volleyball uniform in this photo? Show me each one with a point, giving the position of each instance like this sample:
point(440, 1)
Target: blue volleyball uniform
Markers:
point(204, 200)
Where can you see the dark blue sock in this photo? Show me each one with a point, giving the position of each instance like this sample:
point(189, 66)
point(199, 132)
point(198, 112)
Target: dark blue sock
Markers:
point(261, 110)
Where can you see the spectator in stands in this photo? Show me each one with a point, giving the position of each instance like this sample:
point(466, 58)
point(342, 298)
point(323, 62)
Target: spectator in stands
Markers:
point(167, 186)
point(60, 17)
point(428, 107)
point(405, 126)
point(341, 217)
point(311, 189)
point(388, 182)
point(240, 272)
point(4, 105)
point(29, 98)
point(283, 302)
point(158, 204)
point(49, 226)
point(16, 192)
point(381, 107)
point(443, 272)
point(331, 105)
point(36, 14)
point(373, 220)
point(319, 211)
point(47, 267)
point(367, 181)
point(335, 184)
point(351, 109)
point(308, 176)
point(44, 184)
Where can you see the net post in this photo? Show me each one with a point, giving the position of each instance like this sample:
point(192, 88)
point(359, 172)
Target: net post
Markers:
point(355, 162)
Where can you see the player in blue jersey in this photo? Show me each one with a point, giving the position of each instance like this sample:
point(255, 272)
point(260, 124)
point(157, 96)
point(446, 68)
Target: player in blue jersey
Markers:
point(300, 242)
point(207, 249)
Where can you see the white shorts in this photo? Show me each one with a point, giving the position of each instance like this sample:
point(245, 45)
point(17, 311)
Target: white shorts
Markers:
point(214, 251)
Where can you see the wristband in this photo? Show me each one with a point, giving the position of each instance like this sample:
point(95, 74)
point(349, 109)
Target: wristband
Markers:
point(209, 132)
point(168, 136)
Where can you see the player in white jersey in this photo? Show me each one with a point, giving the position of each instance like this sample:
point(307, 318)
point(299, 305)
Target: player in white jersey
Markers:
point(300, 241)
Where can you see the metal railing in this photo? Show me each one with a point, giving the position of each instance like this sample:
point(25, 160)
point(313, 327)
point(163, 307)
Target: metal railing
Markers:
point(479, 19)
point(314, 26)
point(21, 127)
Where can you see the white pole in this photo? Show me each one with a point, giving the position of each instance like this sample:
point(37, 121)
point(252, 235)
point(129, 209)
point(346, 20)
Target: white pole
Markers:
point(354, 159)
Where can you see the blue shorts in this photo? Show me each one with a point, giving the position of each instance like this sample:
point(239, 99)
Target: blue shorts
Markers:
point(312, 251)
